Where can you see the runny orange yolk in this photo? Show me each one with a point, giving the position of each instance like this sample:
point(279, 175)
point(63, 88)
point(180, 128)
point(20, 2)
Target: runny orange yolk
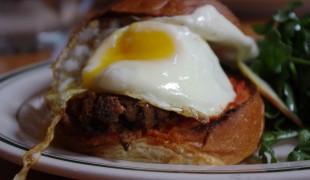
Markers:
point(134, 44)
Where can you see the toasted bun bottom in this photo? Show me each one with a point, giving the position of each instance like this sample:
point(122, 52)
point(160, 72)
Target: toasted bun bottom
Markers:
point(144, 151)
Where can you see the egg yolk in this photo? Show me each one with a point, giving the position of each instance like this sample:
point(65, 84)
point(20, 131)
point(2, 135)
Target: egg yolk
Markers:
point(135, 44)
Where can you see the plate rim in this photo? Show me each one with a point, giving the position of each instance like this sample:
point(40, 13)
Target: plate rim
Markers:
point(46, 156)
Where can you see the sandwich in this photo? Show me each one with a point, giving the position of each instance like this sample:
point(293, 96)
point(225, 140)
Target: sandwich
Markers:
point(151, 81)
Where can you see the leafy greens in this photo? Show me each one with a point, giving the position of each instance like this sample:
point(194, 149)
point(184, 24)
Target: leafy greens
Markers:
point(284, 62)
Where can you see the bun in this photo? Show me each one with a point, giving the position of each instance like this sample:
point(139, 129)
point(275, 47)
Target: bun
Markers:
point(227, 139)
point(155, 8)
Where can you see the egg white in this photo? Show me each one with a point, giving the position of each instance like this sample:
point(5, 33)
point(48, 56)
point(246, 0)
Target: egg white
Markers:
point(190, 82)
point(212, 26)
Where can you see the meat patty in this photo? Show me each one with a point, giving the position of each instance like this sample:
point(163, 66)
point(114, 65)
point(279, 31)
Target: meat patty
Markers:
point(92, 112)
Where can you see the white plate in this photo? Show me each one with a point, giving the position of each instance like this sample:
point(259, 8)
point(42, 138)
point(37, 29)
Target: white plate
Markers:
point(22, 124)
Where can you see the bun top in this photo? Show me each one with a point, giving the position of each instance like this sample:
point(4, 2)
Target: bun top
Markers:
point(162, 8)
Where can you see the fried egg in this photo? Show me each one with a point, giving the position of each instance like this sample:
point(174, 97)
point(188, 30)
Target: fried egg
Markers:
point(166, 65)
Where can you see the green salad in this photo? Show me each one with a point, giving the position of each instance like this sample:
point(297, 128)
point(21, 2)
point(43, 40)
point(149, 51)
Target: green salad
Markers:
point(284, 63)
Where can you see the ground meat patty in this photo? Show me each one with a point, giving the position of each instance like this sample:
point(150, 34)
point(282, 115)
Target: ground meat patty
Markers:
point(91, 113)
point(100, 111)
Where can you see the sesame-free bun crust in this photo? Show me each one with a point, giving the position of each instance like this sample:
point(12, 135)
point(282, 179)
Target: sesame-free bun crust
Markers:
point(157, 8)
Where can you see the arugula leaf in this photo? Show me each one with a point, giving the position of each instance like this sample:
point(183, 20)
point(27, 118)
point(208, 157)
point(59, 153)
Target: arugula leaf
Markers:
point(302, 150)
point(268, 140)
point(288, 12)
point(289, 97)
point(274, 53)
point(264, 151)
point(263, 28)
point(275, 136)
point(304, 140)
point(298, 155)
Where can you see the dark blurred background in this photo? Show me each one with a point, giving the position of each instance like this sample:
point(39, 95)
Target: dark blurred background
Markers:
point(249, 9)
